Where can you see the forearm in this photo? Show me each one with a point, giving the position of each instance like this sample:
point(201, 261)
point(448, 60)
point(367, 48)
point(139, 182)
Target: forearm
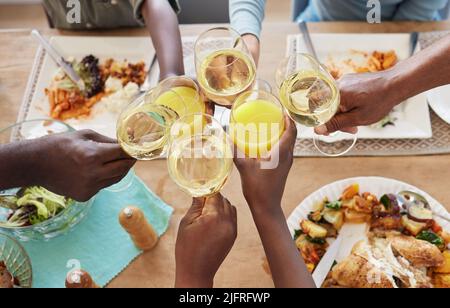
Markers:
point(186, 282)
point(18, 167)
point(162, 23)
point(287, 267)
point(424, 71)
point(246, 16)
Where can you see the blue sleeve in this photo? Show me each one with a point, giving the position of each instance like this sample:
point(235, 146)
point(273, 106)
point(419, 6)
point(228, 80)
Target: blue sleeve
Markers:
point(246, 16)
point(420, 10)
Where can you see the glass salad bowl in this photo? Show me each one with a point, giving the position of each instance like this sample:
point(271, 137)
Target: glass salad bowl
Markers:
point(33, 213)
point(17, 262)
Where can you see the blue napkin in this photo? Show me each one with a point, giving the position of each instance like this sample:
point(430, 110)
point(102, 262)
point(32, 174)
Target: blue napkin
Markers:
point(98, 244)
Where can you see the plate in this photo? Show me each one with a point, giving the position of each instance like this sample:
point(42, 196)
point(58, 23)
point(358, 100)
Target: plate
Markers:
point(375, 185)
point(413, 116)
point(439, 100)
point(133, 49)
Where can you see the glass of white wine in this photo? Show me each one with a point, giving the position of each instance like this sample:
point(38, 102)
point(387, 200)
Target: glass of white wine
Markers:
point(143, 128)
point(311, 97)
point(200, 156)
point(224, 65)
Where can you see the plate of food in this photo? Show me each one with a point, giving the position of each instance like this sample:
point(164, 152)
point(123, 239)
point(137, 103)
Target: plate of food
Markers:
point(113, 69)
point(360, 53)
point(405, 242)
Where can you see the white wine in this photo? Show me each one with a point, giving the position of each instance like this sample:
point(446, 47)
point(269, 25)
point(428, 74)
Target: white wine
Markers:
point(311, 98)
point(225, 74)
point(200, 165)
point(143, 132)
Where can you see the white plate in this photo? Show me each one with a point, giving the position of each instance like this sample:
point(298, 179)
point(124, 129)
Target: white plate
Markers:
point(375, 185)
point(133, 49)
point(439, 100)
point(413, 116)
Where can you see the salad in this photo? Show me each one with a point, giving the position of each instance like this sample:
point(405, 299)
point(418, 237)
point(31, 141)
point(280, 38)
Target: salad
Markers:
point(32, 206)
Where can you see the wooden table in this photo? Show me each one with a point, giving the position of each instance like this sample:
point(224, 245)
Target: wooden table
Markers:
point(243, 266)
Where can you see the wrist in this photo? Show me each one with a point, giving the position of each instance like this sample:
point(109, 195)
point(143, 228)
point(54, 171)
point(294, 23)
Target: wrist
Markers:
point(187, 281)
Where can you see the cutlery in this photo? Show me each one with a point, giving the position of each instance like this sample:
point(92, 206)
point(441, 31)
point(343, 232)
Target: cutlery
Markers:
point(349, 235)
point(9, 192)
point(408, 198)
point(147, 85)
point(413, 41)
point(66, 67)
point(307, 39)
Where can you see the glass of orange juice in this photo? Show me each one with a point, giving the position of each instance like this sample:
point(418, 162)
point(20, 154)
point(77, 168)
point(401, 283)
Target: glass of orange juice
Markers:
point(257, 122)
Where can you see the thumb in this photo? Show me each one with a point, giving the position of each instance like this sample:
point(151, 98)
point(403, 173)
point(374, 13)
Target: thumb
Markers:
point(340, 121)
point(195, 210)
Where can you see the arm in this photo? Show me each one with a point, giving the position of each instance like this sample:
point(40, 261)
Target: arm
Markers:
point(419, 10)
point(246, 17)
point(205, 237)
point(75, 165)
point(367, 98)
point(162, 23)
point(263, 189)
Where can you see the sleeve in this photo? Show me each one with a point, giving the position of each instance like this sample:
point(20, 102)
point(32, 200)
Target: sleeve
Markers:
point(246, 16)
point(419, 10)
point(137, 9)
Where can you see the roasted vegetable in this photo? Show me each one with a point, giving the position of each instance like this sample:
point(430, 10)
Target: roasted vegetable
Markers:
point(431, 237)
point(297, 234)
point(336, 218)
point(350, 192)
point(336, 205)
point(442, 281)
point(315, 216)
point(420, 214)
point(88, 69)
point(313, 230)
point(412, 226)
point(445, 268)
point(356, 217)
point(390, 204)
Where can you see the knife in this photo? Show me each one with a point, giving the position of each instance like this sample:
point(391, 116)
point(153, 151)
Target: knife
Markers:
point(413, 41)
point(349, 235)
point(307, 39)
point(65, 66)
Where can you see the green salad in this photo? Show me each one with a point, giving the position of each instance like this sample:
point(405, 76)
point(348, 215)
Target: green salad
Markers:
point(32, 206)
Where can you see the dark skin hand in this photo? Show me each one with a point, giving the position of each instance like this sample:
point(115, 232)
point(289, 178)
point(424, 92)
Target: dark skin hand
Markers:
point(205, 237)
point(263, 190)
point(162, 23)
point(76, 165)
point(368, 98)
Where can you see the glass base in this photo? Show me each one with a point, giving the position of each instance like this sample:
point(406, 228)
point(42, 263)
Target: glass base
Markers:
point(336, 144)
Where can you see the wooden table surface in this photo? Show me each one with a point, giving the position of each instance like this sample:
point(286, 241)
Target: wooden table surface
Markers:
point(242, 268)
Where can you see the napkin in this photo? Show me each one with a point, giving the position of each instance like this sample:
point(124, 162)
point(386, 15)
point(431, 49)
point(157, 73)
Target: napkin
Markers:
point(98, 244)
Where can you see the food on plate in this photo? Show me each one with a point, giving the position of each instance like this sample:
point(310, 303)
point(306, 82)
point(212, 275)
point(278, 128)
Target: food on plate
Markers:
point(67, 101)
point(406, 247)
point(376, 61)
point(7, 281)
point(32, 206)
point(79, 279)
point(141, 232)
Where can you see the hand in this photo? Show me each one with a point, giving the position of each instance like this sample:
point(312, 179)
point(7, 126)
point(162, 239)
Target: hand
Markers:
point(253, 45)
point(365, 99)
point(205, 237)
point(264, 188)
point(80, 164)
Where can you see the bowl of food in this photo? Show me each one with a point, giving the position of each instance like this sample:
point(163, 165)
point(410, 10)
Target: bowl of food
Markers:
point(34, 213)
point(15, 264)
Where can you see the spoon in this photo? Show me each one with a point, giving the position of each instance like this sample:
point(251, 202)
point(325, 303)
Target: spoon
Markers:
point(9, 192)
point(409, 198)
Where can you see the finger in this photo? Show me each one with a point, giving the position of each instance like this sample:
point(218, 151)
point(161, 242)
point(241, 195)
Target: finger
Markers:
point(196, 209)
point(214, 204)
point(338, 122)
point(117, 168)
point(210, 108)
point(93, 136)
point(287, 141)
point(111, 152)
point(109, 182)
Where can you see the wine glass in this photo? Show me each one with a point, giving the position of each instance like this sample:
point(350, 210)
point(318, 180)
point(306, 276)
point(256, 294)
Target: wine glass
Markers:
point(224, 65)
point(188, 90)
point(311, 97)
point(143, 127)
point(200, 156)
point(257, 122)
